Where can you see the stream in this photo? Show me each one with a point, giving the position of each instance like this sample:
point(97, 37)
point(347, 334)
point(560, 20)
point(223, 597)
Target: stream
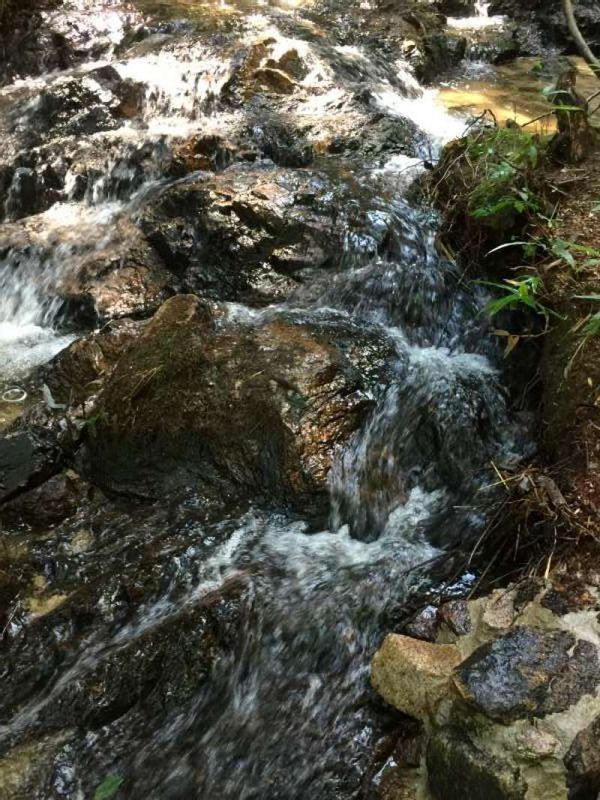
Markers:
point(176, 652)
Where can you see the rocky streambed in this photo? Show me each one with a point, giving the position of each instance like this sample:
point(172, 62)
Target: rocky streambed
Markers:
point(251, 414)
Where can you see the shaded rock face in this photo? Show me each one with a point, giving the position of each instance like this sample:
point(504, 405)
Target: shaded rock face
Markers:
point(458, 769)
point(25, 459)
point(529, 673)
point(260, 408)
point(77, 372)
point(547, 17)
point(246, 234)
point(583, 764)
point(45, 506)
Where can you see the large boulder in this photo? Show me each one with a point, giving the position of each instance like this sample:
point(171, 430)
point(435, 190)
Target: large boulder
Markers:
point(234, 408)
point(249, 234)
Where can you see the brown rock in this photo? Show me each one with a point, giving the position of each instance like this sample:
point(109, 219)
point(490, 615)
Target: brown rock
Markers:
point(234, 409)
point(412, 675)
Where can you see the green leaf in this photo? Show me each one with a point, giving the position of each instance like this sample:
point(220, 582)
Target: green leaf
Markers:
point(496, 306)
point(108, 788)
point(592, 327)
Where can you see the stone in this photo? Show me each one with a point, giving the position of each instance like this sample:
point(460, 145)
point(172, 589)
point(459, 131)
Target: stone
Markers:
point(583, 764)
point(458, 769)
point(46, 505)
point(124, 279)
point(223, 235)
point(424, 625)
point(529, 672)
point(548, 25)
point(77, 372)
point(456, 616)
point(25, 460)
point(412, 675)
point(234, 409)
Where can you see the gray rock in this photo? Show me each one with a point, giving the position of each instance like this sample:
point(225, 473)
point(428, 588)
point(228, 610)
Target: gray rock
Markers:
point(529, 672)
point(456, 616)
point(459, 770)
point(583, 764)
point(25, 461)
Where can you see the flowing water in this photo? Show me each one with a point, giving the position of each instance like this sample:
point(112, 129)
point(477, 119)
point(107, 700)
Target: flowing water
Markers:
point(285, 711)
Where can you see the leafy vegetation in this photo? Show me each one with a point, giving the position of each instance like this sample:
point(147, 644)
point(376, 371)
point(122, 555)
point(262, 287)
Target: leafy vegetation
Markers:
point(520, 292)
point(108, 788)
point(592, 326)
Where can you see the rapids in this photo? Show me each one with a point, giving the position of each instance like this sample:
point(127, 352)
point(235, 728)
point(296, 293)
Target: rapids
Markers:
point(284, 709)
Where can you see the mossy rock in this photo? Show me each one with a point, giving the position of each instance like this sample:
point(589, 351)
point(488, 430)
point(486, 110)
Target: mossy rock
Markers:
point(203, 404)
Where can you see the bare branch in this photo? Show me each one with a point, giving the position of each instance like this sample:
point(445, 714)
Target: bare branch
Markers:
point(581, 43)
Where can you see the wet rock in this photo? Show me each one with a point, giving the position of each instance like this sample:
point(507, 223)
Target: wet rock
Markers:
point(205, 152)
point(436, 54)
point(528, 672)
point(26, 459)
point(424, 626)
point(455, 615)
point(225, 236)
point(139, 678)
point(529, 725)
point(29, 45)
point(124, 279)
point(130, 94)
point(95, 270)
point(583, 764)
point(200, 402)
point(70, 107)
point(458, 769)
point(495, 45)
point(548, 24)
point(456, 8)
point(412, 675)
point(21, 196)
point(78, 372)
point(280, 141)
point(46, 505)
point(258, 70)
